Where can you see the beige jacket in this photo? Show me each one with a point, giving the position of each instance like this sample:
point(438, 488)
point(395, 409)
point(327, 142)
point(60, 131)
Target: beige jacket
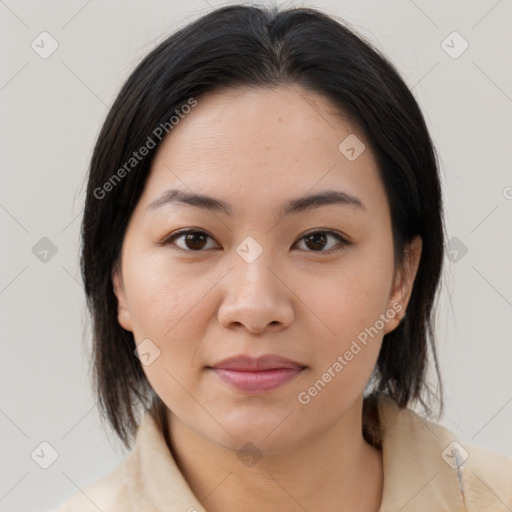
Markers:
point(425, 469)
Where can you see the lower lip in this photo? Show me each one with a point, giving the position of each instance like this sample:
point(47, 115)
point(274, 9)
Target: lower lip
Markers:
point(257, 381)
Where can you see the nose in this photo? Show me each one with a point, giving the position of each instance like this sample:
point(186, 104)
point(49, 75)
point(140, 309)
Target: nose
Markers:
point(256, 296)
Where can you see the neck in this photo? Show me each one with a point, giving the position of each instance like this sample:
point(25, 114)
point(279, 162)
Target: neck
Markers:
point(337, 470)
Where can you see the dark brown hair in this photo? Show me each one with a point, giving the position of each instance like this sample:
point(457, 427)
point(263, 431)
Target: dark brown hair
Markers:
point(262, 47)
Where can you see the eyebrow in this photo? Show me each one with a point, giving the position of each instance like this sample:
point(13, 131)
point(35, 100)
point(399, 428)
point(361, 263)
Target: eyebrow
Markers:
point(327, 197)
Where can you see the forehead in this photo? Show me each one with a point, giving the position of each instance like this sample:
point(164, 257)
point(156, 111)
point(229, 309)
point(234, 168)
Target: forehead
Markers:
point(266, 143)
point(262, 119)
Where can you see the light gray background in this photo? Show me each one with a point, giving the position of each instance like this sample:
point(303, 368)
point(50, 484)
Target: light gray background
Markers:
point(51, 111)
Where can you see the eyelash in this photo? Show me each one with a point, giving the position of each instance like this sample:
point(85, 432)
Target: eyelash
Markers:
point(343, 242)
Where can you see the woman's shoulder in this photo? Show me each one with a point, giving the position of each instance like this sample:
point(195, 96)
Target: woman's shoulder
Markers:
point(426, 465)
point(116, 491)
point(148, 479)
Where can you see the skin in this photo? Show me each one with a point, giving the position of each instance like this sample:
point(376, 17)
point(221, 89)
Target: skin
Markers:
point(201, 303)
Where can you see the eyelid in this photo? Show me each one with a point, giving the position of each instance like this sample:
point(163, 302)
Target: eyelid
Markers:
point(343, 241)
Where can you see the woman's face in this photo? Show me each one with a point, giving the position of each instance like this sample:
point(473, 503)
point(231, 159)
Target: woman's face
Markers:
point(273, 271)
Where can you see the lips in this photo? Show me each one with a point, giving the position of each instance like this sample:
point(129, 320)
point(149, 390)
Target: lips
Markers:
point(266, 362)
point(257, 375)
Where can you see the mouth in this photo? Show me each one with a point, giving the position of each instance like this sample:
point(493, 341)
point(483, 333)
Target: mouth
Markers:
point(257, 375)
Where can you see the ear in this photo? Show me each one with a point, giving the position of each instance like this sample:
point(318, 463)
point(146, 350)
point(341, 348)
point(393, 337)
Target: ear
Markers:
point(403, 283)
point(123, 314)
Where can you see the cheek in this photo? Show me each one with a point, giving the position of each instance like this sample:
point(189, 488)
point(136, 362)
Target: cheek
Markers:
point(172, 308)
point(168, 310)
point(351, 300)
point(347, 350)
point(161, 299)
point(350, 306)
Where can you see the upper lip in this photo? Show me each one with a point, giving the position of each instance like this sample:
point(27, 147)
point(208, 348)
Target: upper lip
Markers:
point(248, 363)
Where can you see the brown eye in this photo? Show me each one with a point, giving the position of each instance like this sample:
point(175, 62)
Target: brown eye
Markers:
point(190, 240)
point(317, 241)
point(195, 241)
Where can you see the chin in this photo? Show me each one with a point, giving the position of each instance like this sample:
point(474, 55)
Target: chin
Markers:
point(268, 432)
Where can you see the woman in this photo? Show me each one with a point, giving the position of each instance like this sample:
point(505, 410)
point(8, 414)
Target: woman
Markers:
point(262, 250)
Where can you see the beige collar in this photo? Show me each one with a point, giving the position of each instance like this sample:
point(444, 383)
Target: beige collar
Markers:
point(418, 460)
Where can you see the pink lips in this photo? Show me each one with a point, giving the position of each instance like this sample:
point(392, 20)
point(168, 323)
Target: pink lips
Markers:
point(257, 375)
